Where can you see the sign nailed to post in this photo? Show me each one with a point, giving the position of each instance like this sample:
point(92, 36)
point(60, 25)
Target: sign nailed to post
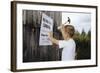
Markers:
point(46, 27)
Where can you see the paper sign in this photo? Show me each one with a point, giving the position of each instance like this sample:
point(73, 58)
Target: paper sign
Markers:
point(46, 27)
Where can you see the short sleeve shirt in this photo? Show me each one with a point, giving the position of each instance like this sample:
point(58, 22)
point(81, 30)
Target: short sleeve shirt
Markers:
point(68, 52)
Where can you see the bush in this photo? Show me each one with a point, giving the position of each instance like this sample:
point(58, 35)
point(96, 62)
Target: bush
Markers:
point(83, 45)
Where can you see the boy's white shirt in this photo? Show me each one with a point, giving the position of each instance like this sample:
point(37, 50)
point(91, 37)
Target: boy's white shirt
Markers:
point(68, 52)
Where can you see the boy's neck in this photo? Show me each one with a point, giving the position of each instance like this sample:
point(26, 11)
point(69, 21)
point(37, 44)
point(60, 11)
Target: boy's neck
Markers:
point(67, 38)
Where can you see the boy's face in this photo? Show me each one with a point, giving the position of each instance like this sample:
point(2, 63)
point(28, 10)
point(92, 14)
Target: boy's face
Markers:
point(66, 31)
point(69, 30)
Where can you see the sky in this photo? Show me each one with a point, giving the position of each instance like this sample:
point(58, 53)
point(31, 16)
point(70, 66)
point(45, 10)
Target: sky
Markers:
point(79, 20)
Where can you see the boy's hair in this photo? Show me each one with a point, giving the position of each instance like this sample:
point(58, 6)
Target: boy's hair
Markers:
point(70, 30)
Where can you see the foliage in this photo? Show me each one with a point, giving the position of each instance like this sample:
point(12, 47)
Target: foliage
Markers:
point(83, 45)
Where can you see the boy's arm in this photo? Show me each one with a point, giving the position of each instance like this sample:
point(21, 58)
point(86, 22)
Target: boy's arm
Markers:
point(53, 40)
point(62, 29)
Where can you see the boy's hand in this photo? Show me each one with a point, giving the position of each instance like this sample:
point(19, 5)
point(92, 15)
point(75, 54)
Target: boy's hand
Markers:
point(50, 34)
point(53, 40)
point(62, 28)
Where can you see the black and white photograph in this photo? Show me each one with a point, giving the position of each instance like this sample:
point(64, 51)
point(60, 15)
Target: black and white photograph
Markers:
point(53, 36)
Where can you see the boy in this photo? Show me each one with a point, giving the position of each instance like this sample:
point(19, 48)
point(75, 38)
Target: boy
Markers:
point(68, 44)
